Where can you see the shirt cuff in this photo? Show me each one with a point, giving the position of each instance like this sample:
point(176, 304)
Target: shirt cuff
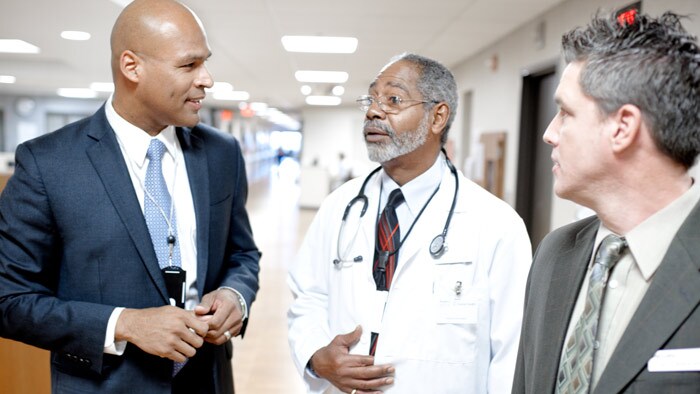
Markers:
point(114, 347)
point(241, 301)
point(310, 370)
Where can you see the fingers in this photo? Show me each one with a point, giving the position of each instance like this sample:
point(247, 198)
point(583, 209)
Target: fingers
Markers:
point(368, 386)
point(221, 336)
point(365, 379)
point(166, 331)
point(220, 310)
point(347, 371)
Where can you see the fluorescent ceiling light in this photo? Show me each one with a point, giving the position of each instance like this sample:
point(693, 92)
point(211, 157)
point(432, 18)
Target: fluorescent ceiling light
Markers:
point(220, 87)
point(17, 46)
point(7, 79)
point(77, 92)
point(233, 95)
point(102, 86)
point(75, 35)
point(315, 44)
point(321, 76)
point(258, 107)
point(322, 100)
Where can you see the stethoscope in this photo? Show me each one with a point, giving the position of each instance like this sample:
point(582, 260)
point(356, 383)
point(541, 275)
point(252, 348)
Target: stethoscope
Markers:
point(437, 246)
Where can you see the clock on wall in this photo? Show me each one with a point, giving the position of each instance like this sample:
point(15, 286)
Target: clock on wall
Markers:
point(24, 106)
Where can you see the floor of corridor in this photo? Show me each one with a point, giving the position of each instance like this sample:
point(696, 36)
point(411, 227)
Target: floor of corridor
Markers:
point(261, 362)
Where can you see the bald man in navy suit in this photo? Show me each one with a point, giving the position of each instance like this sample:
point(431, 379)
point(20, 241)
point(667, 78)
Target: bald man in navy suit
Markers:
point(79, 271)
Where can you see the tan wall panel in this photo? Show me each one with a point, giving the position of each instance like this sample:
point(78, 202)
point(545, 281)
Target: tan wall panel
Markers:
point(24, 369)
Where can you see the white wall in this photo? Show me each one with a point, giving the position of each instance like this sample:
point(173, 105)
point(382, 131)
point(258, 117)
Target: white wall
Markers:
point(330, 130)
point(18, 127)
point(496, 94)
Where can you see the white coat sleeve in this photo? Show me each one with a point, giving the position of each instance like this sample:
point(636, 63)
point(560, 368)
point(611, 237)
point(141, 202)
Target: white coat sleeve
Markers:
point(308, 315)
point(507, 279)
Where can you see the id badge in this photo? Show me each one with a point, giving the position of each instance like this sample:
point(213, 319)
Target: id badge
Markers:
point(175, 285)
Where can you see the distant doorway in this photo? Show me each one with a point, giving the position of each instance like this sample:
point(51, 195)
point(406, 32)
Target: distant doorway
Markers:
point(534, 190)
point(466, 105)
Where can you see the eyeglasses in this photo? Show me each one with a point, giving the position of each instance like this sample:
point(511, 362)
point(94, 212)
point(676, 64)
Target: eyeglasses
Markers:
point(389, 104)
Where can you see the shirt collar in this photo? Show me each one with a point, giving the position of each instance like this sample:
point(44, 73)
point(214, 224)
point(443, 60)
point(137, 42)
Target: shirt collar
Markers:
point(135, 141)
point(649, 241)
point(418, 190)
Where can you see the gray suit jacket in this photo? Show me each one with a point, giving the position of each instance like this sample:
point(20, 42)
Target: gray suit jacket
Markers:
point(668, 316)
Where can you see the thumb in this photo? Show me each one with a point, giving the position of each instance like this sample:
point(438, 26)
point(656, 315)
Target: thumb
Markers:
point(350, 338)
point(204, 307)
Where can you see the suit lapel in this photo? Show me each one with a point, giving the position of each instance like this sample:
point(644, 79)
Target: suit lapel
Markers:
point(568, 270)
point(673, 294)
point(198, 175)
point(108, 161)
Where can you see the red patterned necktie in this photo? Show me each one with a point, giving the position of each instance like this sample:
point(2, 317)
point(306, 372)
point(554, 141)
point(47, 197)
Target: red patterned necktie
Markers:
point(388, 239)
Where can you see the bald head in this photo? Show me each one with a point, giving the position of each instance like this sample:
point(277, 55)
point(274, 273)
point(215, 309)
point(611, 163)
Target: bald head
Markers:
point(159, 50)
point(143, 25)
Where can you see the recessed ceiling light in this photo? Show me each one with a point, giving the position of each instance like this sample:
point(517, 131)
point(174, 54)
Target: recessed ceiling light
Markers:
point(305, 90)
point(77, 92)
point(322, 100)
point(316, 44)
point(121, 3)
point(7, 79)
point(233, 95)
point(321, 76)
point(75, 35)
point(17, 46)
point(102, 86)
point(338, 90)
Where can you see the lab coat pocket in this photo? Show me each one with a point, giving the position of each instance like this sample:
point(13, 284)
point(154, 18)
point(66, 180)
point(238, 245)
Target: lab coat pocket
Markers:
point(455, 313)
point(453, 298)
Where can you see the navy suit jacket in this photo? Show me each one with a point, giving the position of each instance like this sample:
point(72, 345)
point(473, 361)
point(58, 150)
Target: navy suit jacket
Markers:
point(668, 316)
point(74, 245)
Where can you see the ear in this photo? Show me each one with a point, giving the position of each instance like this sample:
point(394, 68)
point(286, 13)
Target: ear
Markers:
point(441, 112)
point(130, 65)
point(627, 121)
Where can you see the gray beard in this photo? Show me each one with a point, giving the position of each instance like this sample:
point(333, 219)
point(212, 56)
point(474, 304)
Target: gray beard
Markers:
point(400, 144)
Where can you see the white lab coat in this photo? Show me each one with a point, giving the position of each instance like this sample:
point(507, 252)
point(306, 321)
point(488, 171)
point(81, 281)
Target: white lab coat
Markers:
point(488, 251)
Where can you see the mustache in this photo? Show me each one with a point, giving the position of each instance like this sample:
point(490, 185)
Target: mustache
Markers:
point(376, 124)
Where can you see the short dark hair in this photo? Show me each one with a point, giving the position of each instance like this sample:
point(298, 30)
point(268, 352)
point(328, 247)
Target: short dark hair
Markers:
point(436, 82)
point(652, 63)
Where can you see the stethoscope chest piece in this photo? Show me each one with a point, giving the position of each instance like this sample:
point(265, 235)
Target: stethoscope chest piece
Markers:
point(437, 246)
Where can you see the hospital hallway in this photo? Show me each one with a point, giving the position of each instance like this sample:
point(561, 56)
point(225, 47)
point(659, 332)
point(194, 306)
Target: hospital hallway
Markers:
point(261, 361)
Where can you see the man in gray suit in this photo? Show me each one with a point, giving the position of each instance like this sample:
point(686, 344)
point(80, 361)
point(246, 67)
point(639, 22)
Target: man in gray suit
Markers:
point(627, 131)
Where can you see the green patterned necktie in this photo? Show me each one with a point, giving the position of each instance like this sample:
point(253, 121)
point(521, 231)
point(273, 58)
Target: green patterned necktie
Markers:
point(576, 366)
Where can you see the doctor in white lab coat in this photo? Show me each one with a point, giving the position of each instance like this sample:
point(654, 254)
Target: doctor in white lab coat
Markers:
point(449, 323)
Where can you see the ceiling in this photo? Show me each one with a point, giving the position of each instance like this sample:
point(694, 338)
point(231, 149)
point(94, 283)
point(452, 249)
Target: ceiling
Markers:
point(245, 40)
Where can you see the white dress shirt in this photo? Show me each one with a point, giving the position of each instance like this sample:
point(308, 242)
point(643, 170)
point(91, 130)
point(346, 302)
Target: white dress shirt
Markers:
point(416, 193)
point(632, 275)
point(134, 143)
